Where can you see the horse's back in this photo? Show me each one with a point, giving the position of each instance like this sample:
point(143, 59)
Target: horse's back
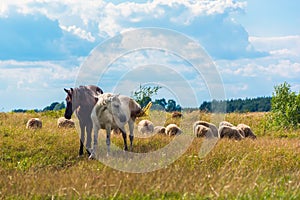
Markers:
point(131, 106)
point(95, 89)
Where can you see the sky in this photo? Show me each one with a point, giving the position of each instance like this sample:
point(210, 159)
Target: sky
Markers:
point(46, 45)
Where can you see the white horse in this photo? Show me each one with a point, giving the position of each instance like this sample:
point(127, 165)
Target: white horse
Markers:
point(114, 112)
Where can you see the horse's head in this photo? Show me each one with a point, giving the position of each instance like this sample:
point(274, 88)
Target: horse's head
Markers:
point(116, 107)
point(69, 109)
point(113, 104)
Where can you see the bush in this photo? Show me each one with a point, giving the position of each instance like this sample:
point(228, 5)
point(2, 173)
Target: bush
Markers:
point(285, 107)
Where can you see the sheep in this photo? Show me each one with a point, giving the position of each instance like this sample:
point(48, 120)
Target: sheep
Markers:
point(173, 118)
point(200, 130)
point(212, 127)
point(247, 131)
point(116, 131)
point(65, 123)
point(159, 130)
point(231, 132)
point(34, 123)
point(225, 123)
point(145, 127)
point(173, 129)
point(176, 114)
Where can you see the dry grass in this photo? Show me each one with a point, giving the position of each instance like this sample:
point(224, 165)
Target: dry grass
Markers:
point(44, 164)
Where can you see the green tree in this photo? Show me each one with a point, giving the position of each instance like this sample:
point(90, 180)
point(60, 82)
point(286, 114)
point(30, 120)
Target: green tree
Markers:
point(59, 106)
point(159, 104)
point(285, 106)
point(144, 93)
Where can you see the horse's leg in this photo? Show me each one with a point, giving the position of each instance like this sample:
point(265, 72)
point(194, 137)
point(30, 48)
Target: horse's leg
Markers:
point(93, 153)
point(89, 128)
point(82, 132)
point(131, 127)
point(108, 130)
point(124, 138)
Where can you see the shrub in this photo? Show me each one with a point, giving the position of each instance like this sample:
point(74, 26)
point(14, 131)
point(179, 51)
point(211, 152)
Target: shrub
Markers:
point(285, 107)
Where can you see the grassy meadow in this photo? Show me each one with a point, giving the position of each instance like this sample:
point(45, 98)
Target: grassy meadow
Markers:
point(44, 163)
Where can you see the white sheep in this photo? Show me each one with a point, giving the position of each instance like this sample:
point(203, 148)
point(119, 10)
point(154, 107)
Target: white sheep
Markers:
point(231, 132)
point(65, 123)
point(225, 123)
point(145, 127)
point(34, 123)
point(200, 130)
point(159, 130)
point(116, 131)
point(247, 131)
point(213, 129)
point(173, 129)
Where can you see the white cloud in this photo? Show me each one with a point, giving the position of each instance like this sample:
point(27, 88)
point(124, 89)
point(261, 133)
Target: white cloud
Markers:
point(260, 68)
point(78, 31)
point(206, 21)
point(31, 75)
point(109, 16)
point(283, 47)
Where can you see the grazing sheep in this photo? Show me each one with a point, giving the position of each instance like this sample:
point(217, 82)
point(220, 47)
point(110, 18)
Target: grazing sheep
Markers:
point(65, 123)
point(34, 123)
point(212, 127)
point(173, 129)
point(145, 127)
point(247, 131)
point(200, 130)
point(116, 131)
point(176, 114)
point(225, 123)
point(159, 130)
point(231, 132)
point(173, 118)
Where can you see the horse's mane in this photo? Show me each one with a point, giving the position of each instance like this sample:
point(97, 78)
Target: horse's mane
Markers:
point(83, 96)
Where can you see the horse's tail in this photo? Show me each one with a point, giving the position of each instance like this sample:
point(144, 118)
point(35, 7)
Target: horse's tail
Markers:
point(146, 109)
point(137, 111)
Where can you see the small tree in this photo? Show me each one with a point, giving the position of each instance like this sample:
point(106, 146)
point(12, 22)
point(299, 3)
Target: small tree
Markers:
point(144, 93)
point(59, 106)
point(285, 106)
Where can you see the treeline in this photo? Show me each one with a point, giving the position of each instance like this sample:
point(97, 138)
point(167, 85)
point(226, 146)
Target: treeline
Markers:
point(53, 106)
point(169, 106)
point(259, 104)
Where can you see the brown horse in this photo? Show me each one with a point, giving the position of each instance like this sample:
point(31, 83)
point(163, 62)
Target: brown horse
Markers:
point(82, 100)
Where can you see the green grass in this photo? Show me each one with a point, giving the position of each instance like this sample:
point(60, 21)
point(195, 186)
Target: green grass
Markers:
point(43, 164)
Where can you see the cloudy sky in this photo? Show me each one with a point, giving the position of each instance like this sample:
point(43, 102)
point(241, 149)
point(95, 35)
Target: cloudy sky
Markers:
point(44, 44)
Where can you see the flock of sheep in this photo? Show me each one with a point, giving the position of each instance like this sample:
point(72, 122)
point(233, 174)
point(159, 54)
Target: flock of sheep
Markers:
point(35, 123)
point(200, 128)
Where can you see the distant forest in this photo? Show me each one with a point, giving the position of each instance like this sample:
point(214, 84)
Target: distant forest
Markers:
point(53, 106)
point(259, 104)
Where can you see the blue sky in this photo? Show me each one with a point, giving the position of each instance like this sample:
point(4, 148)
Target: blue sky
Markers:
point(43, 44)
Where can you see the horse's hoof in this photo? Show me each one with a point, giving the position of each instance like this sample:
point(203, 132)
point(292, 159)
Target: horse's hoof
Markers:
point(88, 152)
point(92, 156)
point(80, 156)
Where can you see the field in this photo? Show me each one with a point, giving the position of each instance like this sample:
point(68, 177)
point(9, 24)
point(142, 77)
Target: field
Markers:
point(44, 164)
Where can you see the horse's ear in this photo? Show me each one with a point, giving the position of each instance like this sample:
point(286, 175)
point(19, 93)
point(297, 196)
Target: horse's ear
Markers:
point(98, 92)
point(66, 90)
